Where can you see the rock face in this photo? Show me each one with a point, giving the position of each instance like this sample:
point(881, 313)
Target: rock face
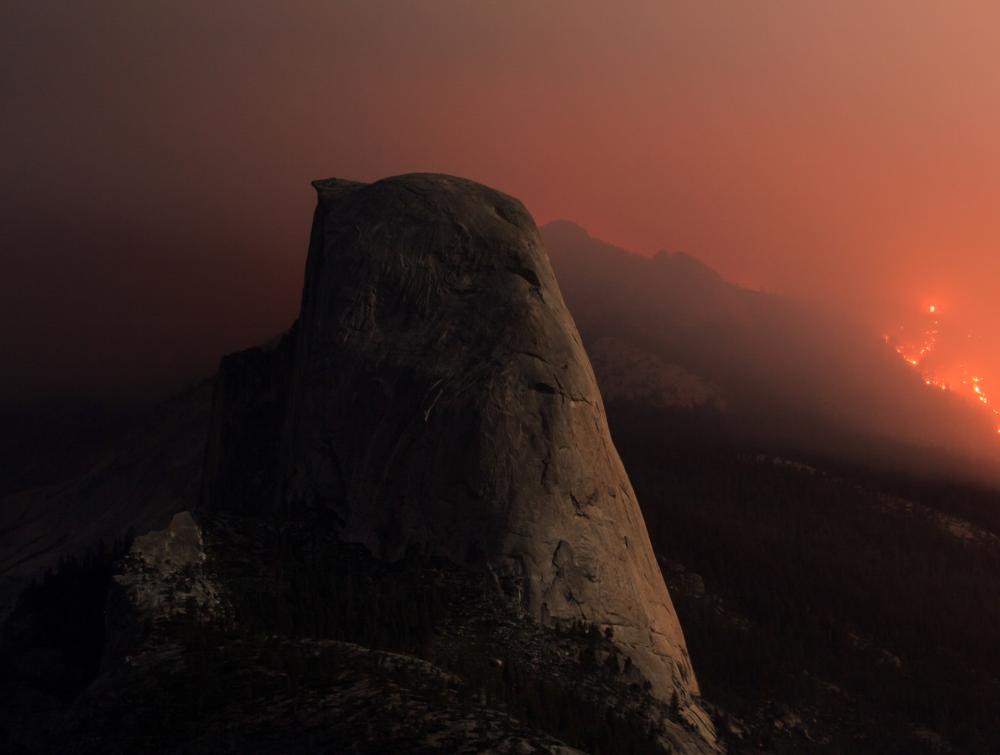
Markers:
point(165, 576)
point(434, 398)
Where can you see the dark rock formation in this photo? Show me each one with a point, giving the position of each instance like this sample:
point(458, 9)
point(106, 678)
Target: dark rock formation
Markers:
point(414, 532)
point(438, 401)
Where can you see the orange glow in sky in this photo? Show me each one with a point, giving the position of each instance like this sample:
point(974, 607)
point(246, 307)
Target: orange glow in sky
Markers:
point(842, 152)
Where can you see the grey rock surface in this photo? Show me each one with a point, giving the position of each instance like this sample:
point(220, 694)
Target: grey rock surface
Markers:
point(434, 397)
point(165, 576)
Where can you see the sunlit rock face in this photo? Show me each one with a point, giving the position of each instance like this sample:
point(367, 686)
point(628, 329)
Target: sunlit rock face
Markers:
point(434, 397)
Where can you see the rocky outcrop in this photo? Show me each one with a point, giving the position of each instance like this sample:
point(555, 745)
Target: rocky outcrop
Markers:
point(434, 398)
point(165, 575)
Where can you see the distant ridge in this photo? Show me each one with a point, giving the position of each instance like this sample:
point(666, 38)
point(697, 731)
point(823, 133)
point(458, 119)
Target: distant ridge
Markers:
point(789, 374)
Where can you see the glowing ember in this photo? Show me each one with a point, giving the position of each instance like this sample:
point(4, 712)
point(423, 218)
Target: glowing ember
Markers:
point(919, 350)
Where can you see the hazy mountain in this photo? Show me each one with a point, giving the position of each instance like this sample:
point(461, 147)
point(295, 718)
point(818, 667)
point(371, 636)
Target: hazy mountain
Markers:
point(777, 370)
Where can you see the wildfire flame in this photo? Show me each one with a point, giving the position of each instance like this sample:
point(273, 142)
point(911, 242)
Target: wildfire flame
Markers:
point(918, 352)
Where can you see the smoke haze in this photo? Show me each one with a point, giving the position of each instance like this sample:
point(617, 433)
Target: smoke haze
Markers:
point(768, 371)
point(156, 155)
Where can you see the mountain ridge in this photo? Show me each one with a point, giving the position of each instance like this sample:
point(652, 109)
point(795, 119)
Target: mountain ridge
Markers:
point(771, 357)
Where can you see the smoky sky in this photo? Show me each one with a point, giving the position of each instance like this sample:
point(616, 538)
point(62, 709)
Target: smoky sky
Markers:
point(157, 154)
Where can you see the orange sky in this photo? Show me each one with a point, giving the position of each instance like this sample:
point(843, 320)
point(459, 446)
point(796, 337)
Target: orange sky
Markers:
point(156, 155)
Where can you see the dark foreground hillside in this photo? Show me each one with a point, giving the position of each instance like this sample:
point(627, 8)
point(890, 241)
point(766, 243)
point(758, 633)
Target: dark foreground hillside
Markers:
point(828, 608)
point(315, 646)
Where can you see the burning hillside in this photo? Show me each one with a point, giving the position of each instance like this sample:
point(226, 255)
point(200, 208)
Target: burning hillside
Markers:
point(929, 347)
